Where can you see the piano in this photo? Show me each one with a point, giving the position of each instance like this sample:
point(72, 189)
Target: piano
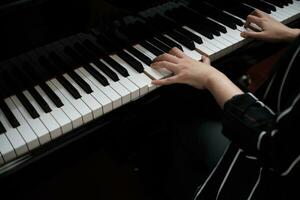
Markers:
point(58, 86)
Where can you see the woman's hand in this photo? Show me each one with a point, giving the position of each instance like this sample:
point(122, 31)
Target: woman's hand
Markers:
point(272, 30)
point(198, 74)
point(185, 69)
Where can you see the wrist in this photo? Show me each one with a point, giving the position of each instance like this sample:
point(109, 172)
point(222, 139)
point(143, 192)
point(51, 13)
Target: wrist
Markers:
point(214, 77)
point(292, 34)
point(221, 87)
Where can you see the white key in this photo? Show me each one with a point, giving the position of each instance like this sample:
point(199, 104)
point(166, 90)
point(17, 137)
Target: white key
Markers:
point(277, 16)
point(191, 53)
point(211, 43)
point(94, 106)
point(78, 104)
point(145, 51)
point(6, 149)
point(236, 34)
point(14, 136)
point(24, 129)
point(203, 49)
point(154, 74)
point(290, 10)
point(140, 79)
point(296, 5)
point(58, 114)
point(107, 90)
point(119, 88)
point(224, 40)
point(228, 38)
point(144, 84)
point(208, 42)
point(37, 126)
point(46, 118)
point(68, 108)
point(273, 14)
point(97, 94)
point(243, 29)
point(125, 82)
point(282, 12)
point(233, 36)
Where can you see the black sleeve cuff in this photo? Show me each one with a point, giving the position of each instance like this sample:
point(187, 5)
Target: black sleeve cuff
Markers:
point(244, 119)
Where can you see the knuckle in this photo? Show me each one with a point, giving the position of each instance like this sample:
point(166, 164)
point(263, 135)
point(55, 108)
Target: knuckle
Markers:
point(164, 55)
point(173, 49)
point(163, 63)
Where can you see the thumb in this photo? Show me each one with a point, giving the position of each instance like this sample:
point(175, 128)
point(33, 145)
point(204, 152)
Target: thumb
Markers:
point(252, 34)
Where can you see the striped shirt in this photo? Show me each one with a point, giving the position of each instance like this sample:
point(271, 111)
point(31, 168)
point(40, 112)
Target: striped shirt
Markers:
point(263, 159)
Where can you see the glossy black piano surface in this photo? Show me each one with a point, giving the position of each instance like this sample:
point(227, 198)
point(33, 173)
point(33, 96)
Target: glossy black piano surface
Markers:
point(75, 74)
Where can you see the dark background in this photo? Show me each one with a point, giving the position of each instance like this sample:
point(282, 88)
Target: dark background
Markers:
point(27, 24)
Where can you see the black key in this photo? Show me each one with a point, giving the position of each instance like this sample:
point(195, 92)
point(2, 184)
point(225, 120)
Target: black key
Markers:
point(134, 63)
point(140, 55)
point(162, 46)
point(76, 56)
point(169, 42)
point(151, 48)
point(191, 35)
point(214, 26)
point(119, 68)
point(65, 83)
point(97, 75)
point(234, 7)
point(223, 15)
point(25, 102)
point(22, 77)
point(240, 10)
point(214, 13)
point(220, 17)
point(2, 129)
point(9, 115)
point(187, 17)
point(278, 3)
point(202, 30)
point(40, 100)
point(30, 70)
point(235, 20)
point(106, 70)
point(84, 85)
point(27, 105)
point(182, 39)
point(93, 58)
point(49, 92)
point(98, 50)
point(68, 86)
point(261, 5)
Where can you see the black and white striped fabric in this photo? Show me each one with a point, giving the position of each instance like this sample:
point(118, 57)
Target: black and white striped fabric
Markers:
point(262, 162)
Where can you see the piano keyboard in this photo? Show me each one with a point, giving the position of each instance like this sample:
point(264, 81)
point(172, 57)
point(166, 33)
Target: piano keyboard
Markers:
point(84, 82)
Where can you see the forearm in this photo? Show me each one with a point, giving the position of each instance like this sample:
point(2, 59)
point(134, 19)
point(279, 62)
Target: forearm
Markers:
point(222, 88)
